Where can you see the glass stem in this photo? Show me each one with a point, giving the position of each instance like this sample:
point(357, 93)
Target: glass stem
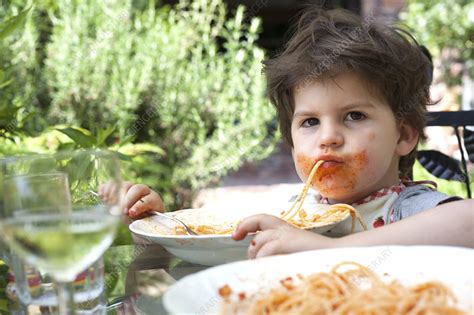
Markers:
point(66, 298)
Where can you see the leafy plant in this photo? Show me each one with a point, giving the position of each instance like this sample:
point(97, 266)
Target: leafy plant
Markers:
point(186, 79)
point(8, 127)
point(12, 23)
point(442, 25)
point(3, 287)
point(12, 119)
point(85, 139)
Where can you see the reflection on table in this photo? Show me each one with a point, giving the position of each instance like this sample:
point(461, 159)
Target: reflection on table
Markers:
point(136, 277)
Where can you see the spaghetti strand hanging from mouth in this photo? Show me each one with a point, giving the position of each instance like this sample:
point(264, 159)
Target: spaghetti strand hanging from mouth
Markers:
point(334, 209)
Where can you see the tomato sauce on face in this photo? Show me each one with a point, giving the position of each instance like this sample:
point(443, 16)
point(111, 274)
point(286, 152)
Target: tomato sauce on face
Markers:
point(334, 178)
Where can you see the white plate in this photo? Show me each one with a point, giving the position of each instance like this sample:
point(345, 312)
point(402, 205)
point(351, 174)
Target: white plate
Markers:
point(211, 250)
point(198, 293)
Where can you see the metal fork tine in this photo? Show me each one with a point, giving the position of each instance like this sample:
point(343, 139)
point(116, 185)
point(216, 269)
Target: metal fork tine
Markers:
point(188, 229)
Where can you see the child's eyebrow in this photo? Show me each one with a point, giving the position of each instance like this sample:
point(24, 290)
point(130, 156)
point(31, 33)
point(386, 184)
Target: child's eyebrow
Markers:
point(357, 104)
point(303, 113)
point(345, 107)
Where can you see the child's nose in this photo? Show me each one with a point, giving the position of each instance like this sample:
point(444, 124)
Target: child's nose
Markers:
point(329, 136)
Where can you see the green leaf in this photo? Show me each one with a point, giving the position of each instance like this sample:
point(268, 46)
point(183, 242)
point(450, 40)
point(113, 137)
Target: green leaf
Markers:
point(3, 268)
point(46, 164)
point(104, 134)
point(4, 305)
point(11, 24)
point(6, 83)
point(123, 157)
point(140, 148)
point(2, 77)
point(80, 136)
point(84, 165)
point(66, 146)
point(27, 117)
point(126, 140)
point(8, 112)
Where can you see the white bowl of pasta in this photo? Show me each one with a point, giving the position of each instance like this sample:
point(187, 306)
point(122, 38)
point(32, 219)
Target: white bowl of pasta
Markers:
point(214, 244)
point(377, 280)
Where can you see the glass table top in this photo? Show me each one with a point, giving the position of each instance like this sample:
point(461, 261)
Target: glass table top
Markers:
point(136, 277)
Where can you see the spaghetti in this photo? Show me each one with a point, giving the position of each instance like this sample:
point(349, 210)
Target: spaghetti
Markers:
point(295, 215)
point(355, 291)
point(335, 212)
point(204, 229)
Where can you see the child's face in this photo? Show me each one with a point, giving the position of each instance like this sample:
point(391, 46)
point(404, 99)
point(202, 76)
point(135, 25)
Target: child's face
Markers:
point(341, 121)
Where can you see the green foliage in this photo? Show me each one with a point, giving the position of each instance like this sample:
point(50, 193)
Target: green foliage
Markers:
point(441, 24)
point(12, 118)
point(169, 80)
point(3, 288)
point(83, 138)
point(9, 25)
point(186, 79)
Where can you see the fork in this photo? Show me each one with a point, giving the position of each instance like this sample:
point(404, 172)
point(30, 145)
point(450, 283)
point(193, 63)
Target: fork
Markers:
point(186, 227)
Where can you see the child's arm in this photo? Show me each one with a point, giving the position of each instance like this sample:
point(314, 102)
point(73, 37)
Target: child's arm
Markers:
point(447, 224)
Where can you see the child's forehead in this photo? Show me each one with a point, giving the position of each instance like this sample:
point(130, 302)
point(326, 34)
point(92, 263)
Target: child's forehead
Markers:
point(344, 85)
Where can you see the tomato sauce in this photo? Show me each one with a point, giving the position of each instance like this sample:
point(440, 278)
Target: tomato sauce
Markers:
point(334, 178)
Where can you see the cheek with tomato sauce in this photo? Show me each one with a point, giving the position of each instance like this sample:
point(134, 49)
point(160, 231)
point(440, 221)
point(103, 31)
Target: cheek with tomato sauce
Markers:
point(334, 178)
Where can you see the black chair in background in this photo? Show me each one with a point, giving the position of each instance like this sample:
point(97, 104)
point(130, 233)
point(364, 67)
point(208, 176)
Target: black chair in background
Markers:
point(446, 167)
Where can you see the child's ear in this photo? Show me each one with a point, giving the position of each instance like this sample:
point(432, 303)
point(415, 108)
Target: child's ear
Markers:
point(408, 139)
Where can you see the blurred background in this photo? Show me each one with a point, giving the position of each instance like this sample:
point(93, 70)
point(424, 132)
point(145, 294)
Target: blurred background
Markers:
point(175, 87)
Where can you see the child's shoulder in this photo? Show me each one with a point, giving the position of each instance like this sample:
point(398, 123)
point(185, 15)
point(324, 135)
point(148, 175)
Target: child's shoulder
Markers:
point(418, 198)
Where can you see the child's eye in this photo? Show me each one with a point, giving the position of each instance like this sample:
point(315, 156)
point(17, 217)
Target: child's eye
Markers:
point(310, 122)
point(355, 116)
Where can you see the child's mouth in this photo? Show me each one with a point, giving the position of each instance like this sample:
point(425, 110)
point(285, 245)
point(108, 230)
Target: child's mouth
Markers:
point(330, 161)
point(330, 164)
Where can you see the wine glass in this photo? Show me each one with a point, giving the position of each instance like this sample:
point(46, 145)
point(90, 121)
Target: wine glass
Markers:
point(51, 217)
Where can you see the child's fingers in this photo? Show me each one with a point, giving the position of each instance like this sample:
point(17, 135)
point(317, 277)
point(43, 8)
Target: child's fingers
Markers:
point(104, 190)
point(126, 186)
point(270, 248)
point(108, 191)
point(139, 208)
point(135, 193)
point(259, 222)
point(156, 201)
point(101, 189)
point(123, 195)
point(107, 188)
point(139, 215)
point(259, 241)
point(151, 202)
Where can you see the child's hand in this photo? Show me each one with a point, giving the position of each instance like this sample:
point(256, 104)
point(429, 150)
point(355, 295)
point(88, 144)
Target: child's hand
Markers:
point(277, 236)
point(138, 199)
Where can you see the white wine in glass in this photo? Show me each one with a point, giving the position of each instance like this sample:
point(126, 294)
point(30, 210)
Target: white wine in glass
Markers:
point(49, 216)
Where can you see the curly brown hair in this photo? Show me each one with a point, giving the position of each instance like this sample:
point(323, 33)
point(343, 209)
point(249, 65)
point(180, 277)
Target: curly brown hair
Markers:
point(328, 42)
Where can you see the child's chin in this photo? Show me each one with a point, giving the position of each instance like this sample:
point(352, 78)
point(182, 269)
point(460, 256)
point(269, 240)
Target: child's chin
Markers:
point(336, 191)
point(339, 196)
